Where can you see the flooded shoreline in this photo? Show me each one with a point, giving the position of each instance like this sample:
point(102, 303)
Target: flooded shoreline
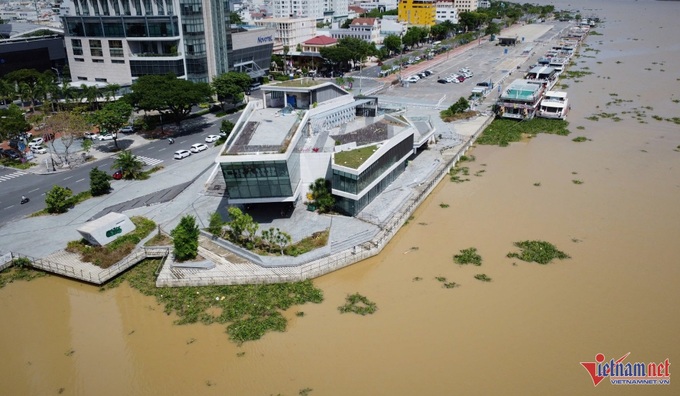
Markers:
point(524, 332)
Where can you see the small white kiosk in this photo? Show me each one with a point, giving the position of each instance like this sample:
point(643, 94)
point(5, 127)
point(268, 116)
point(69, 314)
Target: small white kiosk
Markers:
point(106, 229)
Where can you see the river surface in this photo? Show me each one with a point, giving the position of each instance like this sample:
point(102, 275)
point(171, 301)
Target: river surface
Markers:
point(524, 333)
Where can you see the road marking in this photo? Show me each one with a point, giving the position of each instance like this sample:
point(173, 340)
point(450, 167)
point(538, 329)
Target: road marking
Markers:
point(68, 177)
point(149, 161)
point(9, 207)
point(79, 180)
point(161, 149)
point(12, 175)
point(34, 190)
point(183, 141)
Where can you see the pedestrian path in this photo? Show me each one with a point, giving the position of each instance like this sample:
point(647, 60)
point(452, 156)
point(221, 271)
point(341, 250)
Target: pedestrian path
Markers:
point(12, 176)
point(149, 161)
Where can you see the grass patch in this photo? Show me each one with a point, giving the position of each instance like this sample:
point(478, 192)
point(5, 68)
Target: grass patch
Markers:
point(443, 205)
point(454, 177)
point(483, 277)
point(249, 310)
point(12, 163)
point(354, 158)
point(579, 139)
point(502, 132)
point(537, 251)
point(314, 241)
point(447, 116)
point(73, 201)
point(106, 256)
point(537, 184)
point(468, 256)
point(358, 304)
point(576, 181)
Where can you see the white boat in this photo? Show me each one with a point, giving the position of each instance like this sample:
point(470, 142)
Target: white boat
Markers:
point(554, 104)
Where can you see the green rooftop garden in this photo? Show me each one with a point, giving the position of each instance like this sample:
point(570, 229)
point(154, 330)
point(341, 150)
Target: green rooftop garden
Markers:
point(354, 158)
point(300, 82)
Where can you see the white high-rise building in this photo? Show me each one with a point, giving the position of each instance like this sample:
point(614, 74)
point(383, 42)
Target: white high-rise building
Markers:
point(317, 9)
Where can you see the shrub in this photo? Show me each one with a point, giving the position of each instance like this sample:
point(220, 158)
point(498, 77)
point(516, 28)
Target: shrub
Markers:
point(99, 182)
point(185, 238)
point(215, 225)
point(58, 199)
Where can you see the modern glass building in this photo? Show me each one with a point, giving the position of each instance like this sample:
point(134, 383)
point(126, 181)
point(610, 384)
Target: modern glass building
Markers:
point(116, 41)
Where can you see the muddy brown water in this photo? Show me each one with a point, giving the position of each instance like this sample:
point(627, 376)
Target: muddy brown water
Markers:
point(523, 333)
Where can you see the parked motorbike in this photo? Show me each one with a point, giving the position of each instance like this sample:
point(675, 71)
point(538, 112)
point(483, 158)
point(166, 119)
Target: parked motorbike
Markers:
point(171, 140)
point(24, 200)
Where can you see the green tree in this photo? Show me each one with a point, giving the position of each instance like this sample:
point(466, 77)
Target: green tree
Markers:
point(226, 127)
point(392, 43)
point(242, 226)
point(321, 195)
point(231, 85)
point(492, 28)
point(28, 81)
point(167, 93)
point(439, 32)
point(215, 225)
point(58, 199)
point(68, 126)
point(112, 117)
point(460, 106)
point(274, 237)
point(12, 122)
point(235, 18)
point(99, 182)
point(129, 165)
point(185, 238)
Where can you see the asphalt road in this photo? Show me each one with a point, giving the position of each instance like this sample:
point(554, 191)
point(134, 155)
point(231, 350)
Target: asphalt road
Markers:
point(78, 179)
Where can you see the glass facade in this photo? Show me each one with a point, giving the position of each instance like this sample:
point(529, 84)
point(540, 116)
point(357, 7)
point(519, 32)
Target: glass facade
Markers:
point(260, 179)
point(142, 68)
point(151, 26)
point(351, 207)
point(354, 184)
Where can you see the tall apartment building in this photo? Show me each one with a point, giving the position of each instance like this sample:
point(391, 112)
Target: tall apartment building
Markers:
point(116, 41)
point(318, 9)
point(446, 11)
point(417, 12)
point(465, 5)
point(289, 31)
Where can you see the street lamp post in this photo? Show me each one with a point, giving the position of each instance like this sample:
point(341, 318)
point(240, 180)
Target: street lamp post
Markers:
point(58, 74)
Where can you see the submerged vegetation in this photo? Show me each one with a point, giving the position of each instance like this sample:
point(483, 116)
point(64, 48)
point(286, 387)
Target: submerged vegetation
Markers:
point(502, 132)
point(468, 256)
point(537, 251)
point(358, 304)
point(483, 277)
point(19, 271)
point(249, 310)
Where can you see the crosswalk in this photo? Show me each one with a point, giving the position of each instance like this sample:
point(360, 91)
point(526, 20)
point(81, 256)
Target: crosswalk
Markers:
point(12, 176)
point(149, 161)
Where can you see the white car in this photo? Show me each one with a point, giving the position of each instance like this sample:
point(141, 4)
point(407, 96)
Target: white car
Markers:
point(179, 154)
point(211, 138)
point(89, 135)
point(106, 136)
point(412, 79)
point(36, 142)
point(198, 147)
point(32, 145)
point(38, 150)
point(127, 129)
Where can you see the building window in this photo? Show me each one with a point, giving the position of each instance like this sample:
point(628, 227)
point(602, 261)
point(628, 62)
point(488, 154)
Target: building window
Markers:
point(77, 46)
point(101, 80)
point(79, 59)
point(98, 60)
point(117, 61)
point(116, 48)
point(80, 78)
point(96, 48)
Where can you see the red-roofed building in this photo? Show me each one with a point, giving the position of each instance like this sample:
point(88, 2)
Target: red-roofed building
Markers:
point(318, 42)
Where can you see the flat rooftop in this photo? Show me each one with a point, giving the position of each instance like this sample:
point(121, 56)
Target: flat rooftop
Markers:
point(521, 89)
point(265, 131)
point(297, 83)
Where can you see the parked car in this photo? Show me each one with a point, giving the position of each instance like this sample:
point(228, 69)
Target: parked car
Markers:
point(211, 138)
point(422, 75)
point(428, 72)
point(106, 136)
point(127, 129)
point(36, 141)
point(117, 175)
point(179, 154)
point(461, 78)
point(89, 135)
point(412, 79)
point(443, 81)
point(38, 150)
point(10, 154)
point(198, 147)
point(32, 145)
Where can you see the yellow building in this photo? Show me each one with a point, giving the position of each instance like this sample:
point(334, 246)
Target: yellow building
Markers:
point(417, 12)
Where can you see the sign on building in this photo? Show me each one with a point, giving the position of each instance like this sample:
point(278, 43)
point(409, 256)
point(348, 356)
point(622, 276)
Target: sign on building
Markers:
point(106, 229)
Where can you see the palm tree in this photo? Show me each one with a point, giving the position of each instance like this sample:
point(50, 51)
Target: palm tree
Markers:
point(110, 91)
point(7, 90)
point(129, 165)
point(91, 94)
